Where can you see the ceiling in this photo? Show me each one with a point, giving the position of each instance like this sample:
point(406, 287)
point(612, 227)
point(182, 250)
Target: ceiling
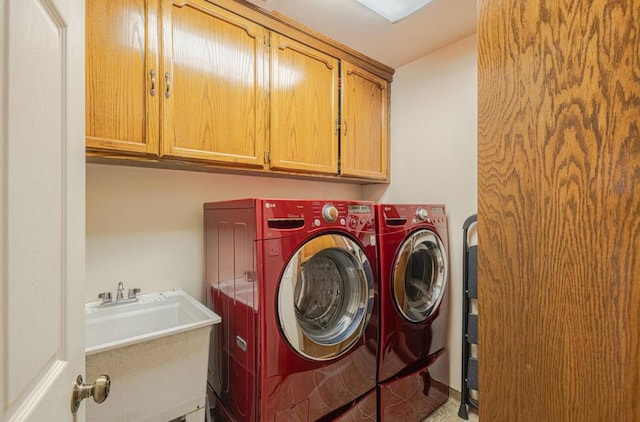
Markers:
point(350, 23)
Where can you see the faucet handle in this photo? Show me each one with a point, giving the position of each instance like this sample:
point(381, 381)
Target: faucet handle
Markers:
point(133, 293)
point(105, 296)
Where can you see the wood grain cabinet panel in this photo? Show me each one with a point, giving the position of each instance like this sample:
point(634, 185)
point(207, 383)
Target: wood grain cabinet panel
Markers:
point(214, 102)
point(121, 54)
point(559, 210)
point(364, 130)
point(304, 108)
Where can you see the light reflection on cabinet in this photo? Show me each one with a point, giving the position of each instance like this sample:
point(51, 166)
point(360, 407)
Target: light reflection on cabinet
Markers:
point(216, 110)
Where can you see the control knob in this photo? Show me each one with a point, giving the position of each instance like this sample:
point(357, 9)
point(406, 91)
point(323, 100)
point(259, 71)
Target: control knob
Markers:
point(421, 214)
point(330, 213)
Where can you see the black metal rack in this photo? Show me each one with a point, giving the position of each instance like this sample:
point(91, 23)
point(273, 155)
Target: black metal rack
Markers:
point(469, 321)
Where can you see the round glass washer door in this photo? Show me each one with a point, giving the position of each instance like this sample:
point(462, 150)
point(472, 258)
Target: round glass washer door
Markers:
point(325, 297)
point(419, 275)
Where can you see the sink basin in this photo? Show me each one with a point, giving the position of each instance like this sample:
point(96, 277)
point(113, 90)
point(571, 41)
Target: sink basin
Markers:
point(156, 351)
point(154, 315)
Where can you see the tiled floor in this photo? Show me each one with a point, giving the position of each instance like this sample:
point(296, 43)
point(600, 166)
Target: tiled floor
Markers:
point(448, 412)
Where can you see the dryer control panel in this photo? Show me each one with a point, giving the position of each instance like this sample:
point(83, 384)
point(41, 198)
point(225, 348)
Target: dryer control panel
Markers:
point(287, 216)
point(357, 216)
point(409, 215)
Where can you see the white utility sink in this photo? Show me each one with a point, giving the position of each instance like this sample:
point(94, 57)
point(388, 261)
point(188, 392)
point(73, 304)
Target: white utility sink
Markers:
point(154, 315)
point(156, 352)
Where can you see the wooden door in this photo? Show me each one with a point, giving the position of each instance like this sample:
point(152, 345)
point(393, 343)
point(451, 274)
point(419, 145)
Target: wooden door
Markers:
point(304, 108)
point(364, 147)
point(559, 210)
point(214, 100)
point(122, 76)
point(41, 208)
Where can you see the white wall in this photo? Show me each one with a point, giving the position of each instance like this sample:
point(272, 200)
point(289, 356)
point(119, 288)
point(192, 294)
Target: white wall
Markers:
point(433, 154)
point(145, 226)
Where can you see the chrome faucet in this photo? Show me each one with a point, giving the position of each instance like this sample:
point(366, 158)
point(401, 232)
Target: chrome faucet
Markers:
point(120, 299)
point(120, 292)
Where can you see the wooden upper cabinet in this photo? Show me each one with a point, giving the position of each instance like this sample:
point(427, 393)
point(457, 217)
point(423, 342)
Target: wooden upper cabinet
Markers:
point(216, 83)
point(121, 55)
point(214, 100)
point(304, 108)
point(364, 139)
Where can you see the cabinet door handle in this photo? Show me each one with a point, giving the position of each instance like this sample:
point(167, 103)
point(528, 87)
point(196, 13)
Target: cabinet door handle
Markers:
point(167, 78)
point(153, 82)
point(346, 128)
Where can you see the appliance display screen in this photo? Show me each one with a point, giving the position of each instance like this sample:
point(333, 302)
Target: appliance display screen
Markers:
point(437, 210)
point(360, 209)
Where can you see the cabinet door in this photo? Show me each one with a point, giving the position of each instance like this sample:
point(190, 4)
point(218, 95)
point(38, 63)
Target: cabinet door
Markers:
point(121, 67)
point(364, 142)
point(214, 83)
point(304, 108)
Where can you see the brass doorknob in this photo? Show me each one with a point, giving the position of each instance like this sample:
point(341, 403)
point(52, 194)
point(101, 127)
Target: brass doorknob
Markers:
point(98, 390)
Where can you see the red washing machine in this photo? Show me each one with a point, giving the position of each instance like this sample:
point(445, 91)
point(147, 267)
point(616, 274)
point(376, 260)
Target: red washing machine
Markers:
point(295, 284)
point(413, 367)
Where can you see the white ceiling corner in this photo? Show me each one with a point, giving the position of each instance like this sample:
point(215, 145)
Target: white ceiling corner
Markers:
point(436, 25)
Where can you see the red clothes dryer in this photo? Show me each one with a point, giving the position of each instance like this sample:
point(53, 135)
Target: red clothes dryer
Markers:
point(295, 284)
point(413, 266)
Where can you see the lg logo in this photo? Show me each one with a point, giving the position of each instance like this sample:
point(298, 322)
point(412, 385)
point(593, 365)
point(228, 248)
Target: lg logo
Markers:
point(269, 205)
